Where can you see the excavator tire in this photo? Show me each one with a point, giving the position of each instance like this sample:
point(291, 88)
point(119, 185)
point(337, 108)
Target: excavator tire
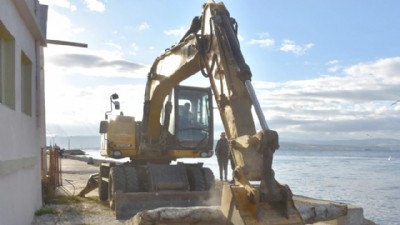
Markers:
point(209, 178)
point(116, 184)
point(131, 179)
point(196, 179)
point(103, 190)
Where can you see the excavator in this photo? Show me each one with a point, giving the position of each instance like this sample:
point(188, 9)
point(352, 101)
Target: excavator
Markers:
point(210, 49)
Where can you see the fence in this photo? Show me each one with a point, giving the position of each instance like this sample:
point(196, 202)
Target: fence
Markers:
point(51, 168)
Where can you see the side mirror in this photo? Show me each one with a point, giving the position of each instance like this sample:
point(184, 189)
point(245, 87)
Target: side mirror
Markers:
point(103, 127)
point(116, 105)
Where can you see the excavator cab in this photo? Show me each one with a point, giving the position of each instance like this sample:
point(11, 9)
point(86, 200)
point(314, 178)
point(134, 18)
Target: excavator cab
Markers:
point(193, 118)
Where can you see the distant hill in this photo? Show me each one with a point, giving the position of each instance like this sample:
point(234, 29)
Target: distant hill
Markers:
point(369, 142)
point(93, 142)
point(362, 144)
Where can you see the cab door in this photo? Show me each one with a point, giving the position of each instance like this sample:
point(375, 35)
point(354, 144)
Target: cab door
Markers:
point(193, 118)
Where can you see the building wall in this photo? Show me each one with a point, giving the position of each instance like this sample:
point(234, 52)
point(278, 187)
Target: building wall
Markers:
point(22, 120)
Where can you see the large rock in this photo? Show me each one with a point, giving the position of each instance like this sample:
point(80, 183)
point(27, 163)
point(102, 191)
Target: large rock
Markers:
point(314, 210)
point(180, 216)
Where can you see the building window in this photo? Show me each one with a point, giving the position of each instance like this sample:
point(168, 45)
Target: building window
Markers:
point(7, 67)
point(26, 84)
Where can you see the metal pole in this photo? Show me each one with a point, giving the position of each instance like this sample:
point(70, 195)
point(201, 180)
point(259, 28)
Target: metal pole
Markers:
point(69, 43)
point(256, 105)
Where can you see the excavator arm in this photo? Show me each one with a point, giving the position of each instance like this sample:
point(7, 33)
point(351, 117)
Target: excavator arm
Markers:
point(211, 47)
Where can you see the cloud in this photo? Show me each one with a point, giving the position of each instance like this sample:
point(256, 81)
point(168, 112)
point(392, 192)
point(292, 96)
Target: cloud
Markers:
point(338, 107)
point(334, 66)
point(334, 129)
point(60, 3)
point(114, 45)
point(240, 38)
point(387, 70)
point(66, 60)
point(95, 5)
point(59, 26)
point(86, 61)
point(291, 46)
point(82, 110)
point(144, 26)
point(333, 62)
point(79, 83)
point(263, 43)
point(176, 32)
point(134, 49)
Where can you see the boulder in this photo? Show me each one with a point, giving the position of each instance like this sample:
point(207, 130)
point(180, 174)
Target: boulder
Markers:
point(180, 216)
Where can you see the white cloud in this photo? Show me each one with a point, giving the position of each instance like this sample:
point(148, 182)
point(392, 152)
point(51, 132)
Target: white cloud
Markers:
point(291, 46)
point(240, 38)
point(82, 110)
point(176, 32)
point(334, 66)
point(387, 70)
point(114, 45)
point(144, 26)
point(333, 69)
point(66, 61)
point(79, 83)
point(59, 26)
point(345, 106)
point(333, 62)
point(95, 5)
point(59, 3)
point(263, 43)
point(134, 49)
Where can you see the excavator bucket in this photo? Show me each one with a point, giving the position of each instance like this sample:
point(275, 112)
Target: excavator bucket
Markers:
point(128, 204)
point(237, 208)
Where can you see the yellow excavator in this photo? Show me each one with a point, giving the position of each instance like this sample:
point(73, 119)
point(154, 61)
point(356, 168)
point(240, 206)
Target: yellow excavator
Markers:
point(178, 123)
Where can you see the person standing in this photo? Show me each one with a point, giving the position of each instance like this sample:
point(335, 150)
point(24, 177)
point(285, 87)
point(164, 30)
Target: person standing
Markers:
point(222, 152)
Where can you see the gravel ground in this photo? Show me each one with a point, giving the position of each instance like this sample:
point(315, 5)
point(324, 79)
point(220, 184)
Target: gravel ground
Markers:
point(79, 213)
point(75, 174)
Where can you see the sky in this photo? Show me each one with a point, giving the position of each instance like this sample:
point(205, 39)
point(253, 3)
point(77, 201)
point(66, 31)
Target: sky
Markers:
point(322, 70)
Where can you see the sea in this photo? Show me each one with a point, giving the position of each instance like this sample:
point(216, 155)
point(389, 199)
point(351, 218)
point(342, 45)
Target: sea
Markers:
point(363, 177)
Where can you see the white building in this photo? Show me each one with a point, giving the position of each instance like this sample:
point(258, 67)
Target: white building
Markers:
point(22, 112)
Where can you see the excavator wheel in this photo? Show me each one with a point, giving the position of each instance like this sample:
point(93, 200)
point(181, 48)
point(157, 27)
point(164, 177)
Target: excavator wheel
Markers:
point(131, 179)
point(196, 179)
point(209, 178)
point(116, 184)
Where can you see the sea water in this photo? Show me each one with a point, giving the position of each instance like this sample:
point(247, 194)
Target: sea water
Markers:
point(369, 179)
